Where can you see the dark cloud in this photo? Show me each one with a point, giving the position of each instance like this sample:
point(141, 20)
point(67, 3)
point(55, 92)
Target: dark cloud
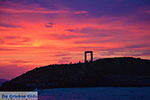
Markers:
point(63, 36)
point(14, 40)
point(11, 37)
point(138, 46)
point(26, 39)
point(71, 30)
point(6, 49)
point(124, 52)
point(21, 61)
point(49, 25)
point(62, 54)
point(9, 25)
point(86, 30)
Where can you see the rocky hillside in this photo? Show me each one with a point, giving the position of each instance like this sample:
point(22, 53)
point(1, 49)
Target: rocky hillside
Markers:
point(123, 71)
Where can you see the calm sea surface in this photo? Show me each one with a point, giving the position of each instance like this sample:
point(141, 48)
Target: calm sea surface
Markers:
point(98, 93)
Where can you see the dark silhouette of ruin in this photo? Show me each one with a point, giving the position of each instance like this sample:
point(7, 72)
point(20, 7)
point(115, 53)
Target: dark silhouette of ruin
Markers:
point(85, 56)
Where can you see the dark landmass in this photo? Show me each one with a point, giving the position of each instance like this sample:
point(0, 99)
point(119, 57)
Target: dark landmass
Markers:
point(2, 81)
point(123, 71)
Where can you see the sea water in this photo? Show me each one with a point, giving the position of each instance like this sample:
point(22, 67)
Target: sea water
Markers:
point(97, 93)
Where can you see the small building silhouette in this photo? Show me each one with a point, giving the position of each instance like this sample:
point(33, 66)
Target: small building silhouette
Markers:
point(85, 56)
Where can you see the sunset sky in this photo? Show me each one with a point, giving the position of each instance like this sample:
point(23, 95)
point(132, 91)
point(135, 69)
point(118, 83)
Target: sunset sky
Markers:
point(35, 33)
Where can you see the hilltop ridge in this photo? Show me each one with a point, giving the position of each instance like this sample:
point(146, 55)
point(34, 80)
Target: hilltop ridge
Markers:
point(121, 71)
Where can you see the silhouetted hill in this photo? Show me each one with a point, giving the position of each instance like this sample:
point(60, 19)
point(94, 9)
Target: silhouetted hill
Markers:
point(123, 71)
point(2, 81)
